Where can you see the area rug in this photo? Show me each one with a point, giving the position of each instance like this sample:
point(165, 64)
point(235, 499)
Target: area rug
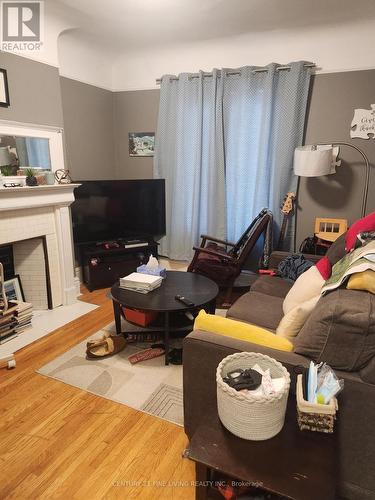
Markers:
point(148, 386)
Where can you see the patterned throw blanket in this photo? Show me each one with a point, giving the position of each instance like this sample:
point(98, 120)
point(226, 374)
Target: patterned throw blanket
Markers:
point(357, 261)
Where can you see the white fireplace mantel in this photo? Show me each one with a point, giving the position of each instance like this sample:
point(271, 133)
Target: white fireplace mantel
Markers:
point(37, 196)
point(43, 211)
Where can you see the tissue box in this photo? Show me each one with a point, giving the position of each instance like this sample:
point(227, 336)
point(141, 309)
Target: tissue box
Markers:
point(154, 271)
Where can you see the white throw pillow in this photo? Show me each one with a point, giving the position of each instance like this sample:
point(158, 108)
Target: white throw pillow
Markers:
point(293, 321)
point(307, 286)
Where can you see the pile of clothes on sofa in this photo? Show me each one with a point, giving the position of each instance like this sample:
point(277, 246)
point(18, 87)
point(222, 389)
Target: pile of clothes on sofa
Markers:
point(326, 298)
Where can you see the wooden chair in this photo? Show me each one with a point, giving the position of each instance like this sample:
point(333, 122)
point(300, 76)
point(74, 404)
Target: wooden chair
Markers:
point(222, 261)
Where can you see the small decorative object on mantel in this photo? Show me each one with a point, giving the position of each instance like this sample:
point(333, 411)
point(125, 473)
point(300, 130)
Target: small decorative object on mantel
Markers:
point(50, 178)
point(4, 91)
point(41, 179)
point(141, 143)
point(63, 176)
point(31, 180)
point(7, 177)
point(363, 124)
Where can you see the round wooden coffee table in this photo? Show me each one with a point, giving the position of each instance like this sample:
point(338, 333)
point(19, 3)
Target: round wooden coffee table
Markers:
point(198, 289)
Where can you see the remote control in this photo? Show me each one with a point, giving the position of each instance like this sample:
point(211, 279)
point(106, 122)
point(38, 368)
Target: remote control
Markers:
point(182, 299)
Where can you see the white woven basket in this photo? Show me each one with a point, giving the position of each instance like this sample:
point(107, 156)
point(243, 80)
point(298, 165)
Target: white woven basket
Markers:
point(251, 417)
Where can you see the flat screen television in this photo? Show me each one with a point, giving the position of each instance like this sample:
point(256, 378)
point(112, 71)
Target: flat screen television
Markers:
point(121, 209)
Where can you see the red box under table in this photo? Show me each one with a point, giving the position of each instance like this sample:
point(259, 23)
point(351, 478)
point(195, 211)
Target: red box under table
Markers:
point(142, 318)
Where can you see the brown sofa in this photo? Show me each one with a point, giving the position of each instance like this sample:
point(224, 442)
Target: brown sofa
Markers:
point(263, 306)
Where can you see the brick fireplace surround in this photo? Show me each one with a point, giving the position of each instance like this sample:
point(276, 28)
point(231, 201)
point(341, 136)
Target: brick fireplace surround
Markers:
point(36, 220)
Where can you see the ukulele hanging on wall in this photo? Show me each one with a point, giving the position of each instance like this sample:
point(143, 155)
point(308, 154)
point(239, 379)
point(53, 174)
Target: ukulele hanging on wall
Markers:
point(287, 209)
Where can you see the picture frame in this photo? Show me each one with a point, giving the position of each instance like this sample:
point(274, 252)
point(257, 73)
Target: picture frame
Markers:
point(4, 89)
point(13, 289)
point(141, 144)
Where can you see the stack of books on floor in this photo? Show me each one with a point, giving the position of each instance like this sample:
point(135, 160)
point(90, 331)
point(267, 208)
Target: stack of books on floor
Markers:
point(24, 316)
point(142, 283)
point(8, 322)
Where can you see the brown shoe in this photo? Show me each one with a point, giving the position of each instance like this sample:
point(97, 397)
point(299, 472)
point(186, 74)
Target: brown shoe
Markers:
point(107, 347)
point(99, 340)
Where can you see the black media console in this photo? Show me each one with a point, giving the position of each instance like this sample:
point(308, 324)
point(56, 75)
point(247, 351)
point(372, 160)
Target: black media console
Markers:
point(103, 264)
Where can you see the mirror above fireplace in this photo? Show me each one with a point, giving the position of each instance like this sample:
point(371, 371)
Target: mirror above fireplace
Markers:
point(26, 152)
point(30, 146)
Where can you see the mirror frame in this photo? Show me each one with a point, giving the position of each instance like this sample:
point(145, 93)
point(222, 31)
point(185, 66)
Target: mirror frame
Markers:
point(53, 134)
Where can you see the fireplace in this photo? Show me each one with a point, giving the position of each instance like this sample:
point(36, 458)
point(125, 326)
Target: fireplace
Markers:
point(36, 222)
point(30, 258)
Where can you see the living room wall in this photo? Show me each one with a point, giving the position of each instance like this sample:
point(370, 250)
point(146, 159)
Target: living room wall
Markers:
point(34, 88)
point(134, 111)
point(89, 130)
point(97, 123)
point(38, 95)
point(334, 97)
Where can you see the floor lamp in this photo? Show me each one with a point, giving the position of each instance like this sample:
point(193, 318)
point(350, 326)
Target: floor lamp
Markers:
point(317, 160)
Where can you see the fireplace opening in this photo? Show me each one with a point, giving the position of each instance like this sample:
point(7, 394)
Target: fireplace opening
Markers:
point(6, 258)
point(29, 260)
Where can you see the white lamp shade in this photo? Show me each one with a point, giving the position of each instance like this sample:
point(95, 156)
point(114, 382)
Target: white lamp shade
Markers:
point(5, 157)
point(314, 161)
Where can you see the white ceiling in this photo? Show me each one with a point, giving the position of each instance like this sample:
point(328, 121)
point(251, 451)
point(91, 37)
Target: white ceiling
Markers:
point(127, 44)
point(122, 25)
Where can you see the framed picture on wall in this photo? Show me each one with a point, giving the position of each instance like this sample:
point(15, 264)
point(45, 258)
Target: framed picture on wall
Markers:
point(4, 90)
point(141, 143)
point(13, 289)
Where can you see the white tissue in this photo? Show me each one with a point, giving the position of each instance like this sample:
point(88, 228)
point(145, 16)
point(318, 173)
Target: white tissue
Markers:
point(152, 263)
point(269, 385)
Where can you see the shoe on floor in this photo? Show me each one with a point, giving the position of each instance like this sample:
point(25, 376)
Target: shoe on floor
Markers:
point(107, 347)
point(99, 340)
point(175, 356)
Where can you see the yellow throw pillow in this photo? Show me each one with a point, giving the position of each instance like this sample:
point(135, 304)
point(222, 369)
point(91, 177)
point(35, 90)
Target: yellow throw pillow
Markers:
point(362, 281)
point(293, 321)
point(241, 331)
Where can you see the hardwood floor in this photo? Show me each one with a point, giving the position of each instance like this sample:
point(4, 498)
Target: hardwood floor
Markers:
point(57, 441)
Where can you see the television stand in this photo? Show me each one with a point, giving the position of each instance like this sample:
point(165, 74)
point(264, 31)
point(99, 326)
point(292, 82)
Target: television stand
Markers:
point(104, 263)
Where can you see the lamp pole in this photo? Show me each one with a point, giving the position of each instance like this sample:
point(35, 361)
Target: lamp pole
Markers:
point(367, 172)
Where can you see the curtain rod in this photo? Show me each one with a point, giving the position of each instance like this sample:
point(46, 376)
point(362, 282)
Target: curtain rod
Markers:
point(259, 70)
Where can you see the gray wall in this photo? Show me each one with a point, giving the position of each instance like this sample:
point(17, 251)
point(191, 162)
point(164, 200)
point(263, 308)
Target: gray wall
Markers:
point(134, 111)
point(97, 123)
point(89, 130)
point(333, 100)
point(39, 96)
point(334, 97)
point(34, 90)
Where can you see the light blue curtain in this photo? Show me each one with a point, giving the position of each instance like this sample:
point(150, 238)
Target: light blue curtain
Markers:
point(38, 152)
point(33, 152)
point(225, 146)
point(189, 155)
point(264, 116)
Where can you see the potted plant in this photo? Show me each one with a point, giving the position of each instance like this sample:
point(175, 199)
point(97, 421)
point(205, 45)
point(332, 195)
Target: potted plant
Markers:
point(6, 170)
point(7, 176)
point(31, 180)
